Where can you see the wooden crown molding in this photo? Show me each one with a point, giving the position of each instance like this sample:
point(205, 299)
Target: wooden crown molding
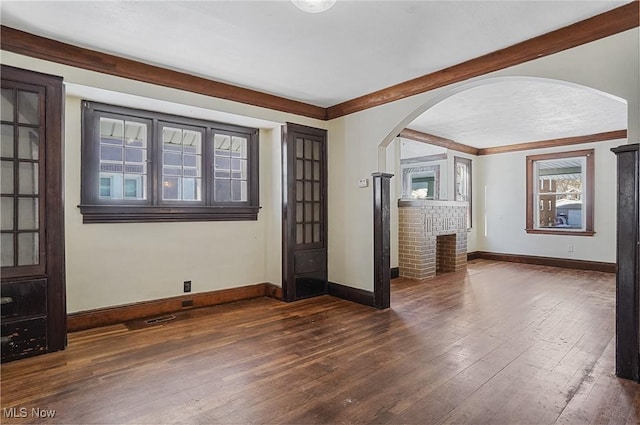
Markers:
point(24, 43)
point(551, 143)
point(600, 26)
point(431, 139)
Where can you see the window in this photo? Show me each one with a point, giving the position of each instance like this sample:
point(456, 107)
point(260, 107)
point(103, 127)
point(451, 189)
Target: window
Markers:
point(140, 166)
point(462, 167)
point(560, 193)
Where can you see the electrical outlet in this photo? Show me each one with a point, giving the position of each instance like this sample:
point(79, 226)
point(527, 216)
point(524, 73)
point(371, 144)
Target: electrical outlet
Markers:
point(570, 249)
point(187, 286)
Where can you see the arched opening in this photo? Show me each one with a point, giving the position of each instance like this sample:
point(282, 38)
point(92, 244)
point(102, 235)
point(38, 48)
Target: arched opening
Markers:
point(503, 120)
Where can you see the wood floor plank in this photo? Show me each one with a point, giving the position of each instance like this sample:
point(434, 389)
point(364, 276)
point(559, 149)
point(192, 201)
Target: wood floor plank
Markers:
point(500, 343)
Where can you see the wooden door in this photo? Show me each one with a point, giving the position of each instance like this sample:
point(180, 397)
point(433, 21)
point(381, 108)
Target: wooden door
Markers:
point(32, 224)
point(304, 225)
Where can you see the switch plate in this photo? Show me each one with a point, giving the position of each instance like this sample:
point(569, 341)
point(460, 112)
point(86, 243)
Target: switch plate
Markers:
point(187, 286)
point(363, 182)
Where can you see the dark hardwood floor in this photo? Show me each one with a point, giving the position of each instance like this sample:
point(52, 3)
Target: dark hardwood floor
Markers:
point(502, 343)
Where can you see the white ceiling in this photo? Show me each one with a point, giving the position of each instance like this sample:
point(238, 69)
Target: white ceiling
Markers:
point(353, 49)
point(521, 110)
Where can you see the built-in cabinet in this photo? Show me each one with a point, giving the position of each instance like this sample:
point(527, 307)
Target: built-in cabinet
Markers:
point(628, 262)
point(32, 277)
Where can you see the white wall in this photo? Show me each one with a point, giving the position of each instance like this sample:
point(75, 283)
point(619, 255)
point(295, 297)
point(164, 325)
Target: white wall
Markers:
point(502, 208)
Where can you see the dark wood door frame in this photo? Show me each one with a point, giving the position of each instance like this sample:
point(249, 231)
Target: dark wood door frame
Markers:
point(53, 272)
point(304, 257)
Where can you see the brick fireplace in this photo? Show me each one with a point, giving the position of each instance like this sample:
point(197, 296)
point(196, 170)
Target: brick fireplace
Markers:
point(433, 237)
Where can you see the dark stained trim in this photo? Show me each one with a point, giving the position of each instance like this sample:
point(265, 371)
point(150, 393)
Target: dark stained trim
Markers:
point(23, 43)
point(394, 272)
point(382, 240)
point(566, 263)
point(123, 313)
point(431, 139)
point(628, 261)
point(348, 293)
point(552, 143)
point(600, 26)
point(52, 200)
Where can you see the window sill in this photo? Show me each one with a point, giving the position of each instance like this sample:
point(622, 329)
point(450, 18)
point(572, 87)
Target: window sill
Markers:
point(561, 232)
point(155, 214)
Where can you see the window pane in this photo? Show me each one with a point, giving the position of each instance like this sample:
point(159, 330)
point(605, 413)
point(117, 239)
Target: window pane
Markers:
point(561, 211)
point(7, 214)
point(191, 189)
point(134, 155)
point(299, 148)
point(299, 191)
point(299, 212)
point(28, 108)
point(171, 171)
point(28, 249)
point(239, 147)
point(238, 190)
point(28, 214)
point(307, 170)
point(316, 212)
point(171, 158)
point(6, 181)
point(222, 145)
point(316, 233)
point(106, 187)
point(28, 143)
point(111, 131)
point(7, 105)
point(135, 134)
point(110, 153)
point(135, 186)
point(222, 190)
point(222, 163)
point(6, 249)
point(316, 151)
point(560, 188)
point(171, 189)
point(7, 141)
point(28, 178)
point(299, 233)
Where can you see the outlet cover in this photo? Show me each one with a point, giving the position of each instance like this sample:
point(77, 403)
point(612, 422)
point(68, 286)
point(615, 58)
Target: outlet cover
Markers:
point(187, 286)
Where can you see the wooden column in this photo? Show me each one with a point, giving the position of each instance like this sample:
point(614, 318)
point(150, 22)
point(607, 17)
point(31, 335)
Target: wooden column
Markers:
point(628, 263)
point(381, 240)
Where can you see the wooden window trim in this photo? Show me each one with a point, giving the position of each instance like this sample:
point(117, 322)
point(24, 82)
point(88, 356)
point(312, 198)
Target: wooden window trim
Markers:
point(589, 193)
point(154, 209)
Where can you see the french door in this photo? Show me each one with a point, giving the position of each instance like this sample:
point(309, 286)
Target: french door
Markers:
point(304, 225)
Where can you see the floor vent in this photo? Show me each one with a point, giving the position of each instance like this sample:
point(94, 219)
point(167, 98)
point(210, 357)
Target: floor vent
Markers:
point(160, 319)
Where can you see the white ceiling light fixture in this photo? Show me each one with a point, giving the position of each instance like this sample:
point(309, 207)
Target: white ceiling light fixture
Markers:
point(314, 6)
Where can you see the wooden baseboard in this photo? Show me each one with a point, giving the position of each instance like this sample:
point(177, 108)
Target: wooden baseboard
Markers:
point(123, 313)
point(395, 272)
point(545, 261)
point(348, 293)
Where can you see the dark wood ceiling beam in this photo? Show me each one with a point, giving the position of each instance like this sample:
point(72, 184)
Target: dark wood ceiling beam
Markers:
point(431, 139)
point(24, 43)
point(552, 143)
point(600, 26)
